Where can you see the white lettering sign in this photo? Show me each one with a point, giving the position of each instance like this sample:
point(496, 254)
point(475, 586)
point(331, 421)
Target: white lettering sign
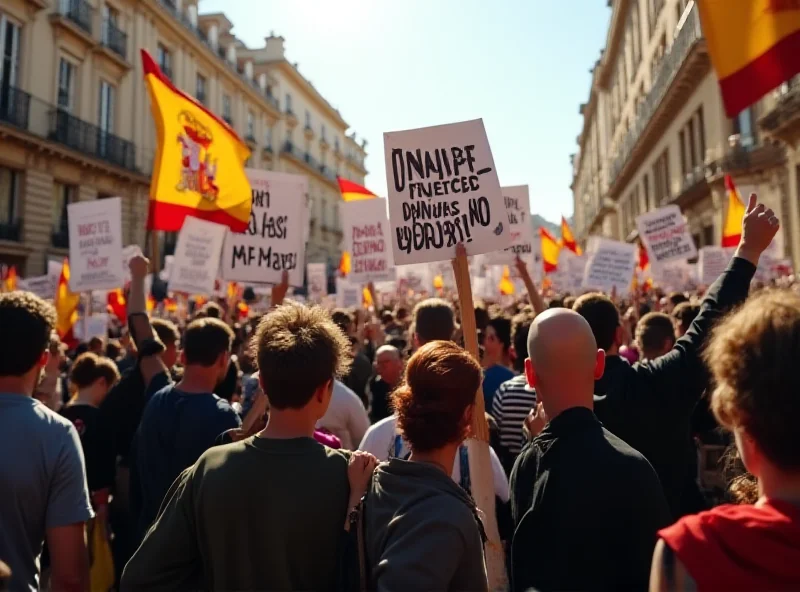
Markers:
point(95, 245)
point(317, 279)
point(666, 235)
point(367, 239)
point(194, 269)
point(610, 266)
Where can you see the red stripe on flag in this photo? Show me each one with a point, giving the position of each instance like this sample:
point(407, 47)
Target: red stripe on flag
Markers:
point(169, 217)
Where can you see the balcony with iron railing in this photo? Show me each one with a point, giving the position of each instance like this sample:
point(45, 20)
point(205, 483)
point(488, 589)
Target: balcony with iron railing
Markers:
point(14, 107)
point(79, 12)
point(60, 238)
point(11, 230)
point(675, 80)
point(114, 38)
point(783, 120)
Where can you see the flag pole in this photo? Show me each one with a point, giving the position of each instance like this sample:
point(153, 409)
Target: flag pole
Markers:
point(480, 467)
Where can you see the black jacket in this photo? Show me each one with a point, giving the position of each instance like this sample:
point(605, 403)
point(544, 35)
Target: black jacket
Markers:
point(650, 405)
point(587, 508)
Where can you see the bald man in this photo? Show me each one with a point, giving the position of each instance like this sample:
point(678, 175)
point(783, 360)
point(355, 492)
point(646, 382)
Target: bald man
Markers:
point(388, 372)
point(586, 505)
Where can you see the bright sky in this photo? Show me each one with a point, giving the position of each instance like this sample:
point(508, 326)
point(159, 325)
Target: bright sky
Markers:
point(521, 65)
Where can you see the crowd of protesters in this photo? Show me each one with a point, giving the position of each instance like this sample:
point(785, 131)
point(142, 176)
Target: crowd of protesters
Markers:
point(307, 449)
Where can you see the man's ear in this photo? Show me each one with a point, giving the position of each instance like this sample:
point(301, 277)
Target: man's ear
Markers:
point(324, 391)
point(530, 373)
point(599, 364)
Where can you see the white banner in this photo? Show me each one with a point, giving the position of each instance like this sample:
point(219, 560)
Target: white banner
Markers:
point(443, 190)
point(96, 326)
point(711, 262)
point(194, 268)
point(675, 275)
point(666, 235)
point(418, 278)
point(610, 266)
point(347, 295)
point(569, 275)
point(317, 280)
point(95, 245)
point(274, 241)
point(44, 286)
point(367, 239)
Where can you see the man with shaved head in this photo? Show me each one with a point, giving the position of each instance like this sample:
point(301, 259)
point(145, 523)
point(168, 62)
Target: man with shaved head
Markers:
point(587, 507)
point(388, 372)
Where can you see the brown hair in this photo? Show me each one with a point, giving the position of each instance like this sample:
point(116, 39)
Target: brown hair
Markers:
point(27, 322)
point(441, 380)
point(166, 331)
point(434, 319)
point(652, 330)
point(89, 367)
point(685, 313)
point(299, 349)
point(752, 356)
point(602, 316)
point(206, 340)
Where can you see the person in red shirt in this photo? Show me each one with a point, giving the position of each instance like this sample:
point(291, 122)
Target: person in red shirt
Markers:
point(752, 357)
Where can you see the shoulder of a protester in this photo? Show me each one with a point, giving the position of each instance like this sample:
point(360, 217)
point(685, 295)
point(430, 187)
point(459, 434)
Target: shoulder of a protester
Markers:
point(386, 427)
point(627, 455)
point(49, 420)
point(516, 384)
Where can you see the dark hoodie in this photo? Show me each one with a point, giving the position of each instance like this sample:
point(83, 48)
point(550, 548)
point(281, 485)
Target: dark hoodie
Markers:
point(740, 547)
point(422, 531)
point(176, 428)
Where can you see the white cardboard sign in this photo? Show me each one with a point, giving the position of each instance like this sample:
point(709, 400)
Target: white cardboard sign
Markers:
point(610, 266)
point(317, 279)
point(666, 235)
point(347, 295)
point(517, 204)
point(96, 325)
point(711, 262)
point(274, 240)
point(44, 286)
point(194, 268)
point(95, 245)
point(367, 239)
point(443, 190)
point(675, 275)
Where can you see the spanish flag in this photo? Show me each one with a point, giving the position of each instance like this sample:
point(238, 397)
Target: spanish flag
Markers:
point(66, 304)
point(732, 231)
point(345, 264)
point(754, 46)
point(199, 164)
point(438, 282)
point(506, 286)
point(644, 258)
point(567, 238)
point(353, 191)
point(550, 250)
point(10, 281)
point(116, 303)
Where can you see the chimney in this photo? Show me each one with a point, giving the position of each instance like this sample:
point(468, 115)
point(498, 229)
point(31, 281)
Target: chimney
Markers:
point(274, 49)
point(191, 11)
point(231, 53)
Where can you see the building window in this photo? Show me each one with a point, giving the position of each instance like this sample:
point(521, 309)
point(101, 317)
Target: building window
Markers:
point(323, 134)
point(324, 215)
point(109, 24)
point(682, 143)
point(105, 115)
point(164, 60)
point(251, 125)
point(66, 85)
point(646, 189)
point(200, 88)
point(63, 195)
point(336, 143)
point(661, 178)
point(701, 133)
point(9, 196)
point(268, 137)
point(708, 235)
point(9, 65)
point(692, 145)
point(308, 119)
point(743, 126)
point(226, 109)
point(288, 103)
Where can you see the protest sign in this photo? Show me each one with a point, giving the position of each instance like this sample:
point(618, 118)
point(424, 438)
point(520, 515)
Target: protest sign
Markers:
point(674, 275)
point(317, 280)
point(274, 239)
point(666, 235)
point(610, 266)
point(165, 273)
point(348, 295)
point(519, 224)
point(95, 245)
point(568, 277)
point(44, 286)
point(367, 238)
point(443, 190)
point(416, 278)
point(194, 269)
point(95, 325)
point(711, 262)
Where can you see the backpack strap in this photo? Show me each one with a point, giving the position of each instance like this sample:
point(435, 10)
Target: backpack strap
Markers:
point(465, 480)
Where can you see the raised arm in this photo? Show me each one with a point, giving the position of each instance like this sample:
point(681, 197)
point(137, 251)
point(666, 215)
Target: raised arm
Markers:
point(148, 345)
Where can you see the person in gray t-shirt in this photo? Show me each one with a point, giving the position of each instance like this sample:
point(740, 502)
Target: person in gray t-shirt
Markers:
point(43, 491)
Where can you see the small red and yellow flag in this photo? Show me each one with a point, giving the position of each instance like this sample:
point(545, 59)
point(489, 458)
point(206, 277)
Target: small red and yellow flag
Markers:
point(66, 305)
point(353, 191)
point(732, 230)
point(506, 286)
point(754, 46)
point(199, 165)
point(116, 303)
point(10, 281)
point(567, 238)
point(644, 258)
point(550, 251)
point(345, 264)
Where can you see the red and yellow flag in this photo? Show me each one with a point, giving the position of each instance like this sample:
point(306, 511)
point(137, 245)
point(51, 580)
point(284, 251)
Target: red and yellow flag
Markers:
point(506, 286)
point(353, 191)
point(345, 264)
point(10, 281)
point(754, 46)
point(550, 251)
point(66, 304)
point(116, 303)
point(199, 164)
point(732, 230)
point(567, 238)
point(438, 282)
point(644, 258)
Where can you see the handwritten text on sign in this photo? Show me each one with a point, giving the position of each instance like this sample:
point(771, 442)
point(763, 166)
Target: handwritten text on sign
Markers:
point(666, 235)
point(95, 245)
point(610, 266)
point(519, 223)
point(367, 239)
point(194, 268)
point(274, 239)
point(443, 190)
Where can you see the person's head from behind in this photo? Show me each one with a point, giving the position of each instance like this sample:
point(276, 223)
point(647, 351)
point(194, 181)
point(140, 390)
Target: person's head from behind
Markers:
point(564, 360)
point(497, 338)
point(113, 349)
point(752, 356)
point(389, 364)
point(211, 310)
point(434, 405)
point(569, 302)
point(26, 322)
point(520, 326)
point(481, 318)
point(207, 350)
point(93, 376)
point(345, 321)
point(434, 320)
point(603, 318)
point(96, 345)
point(682, 316)
point(300, 351)
point(672, 300)
point(655, 335)
point(169, 335)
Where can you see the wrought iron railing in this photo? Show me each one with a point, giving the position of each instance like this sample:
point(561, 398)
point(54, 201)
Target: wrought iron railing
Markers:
point(91, 140)
point(114, 38)
point(11, 230)
point(78, 11)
